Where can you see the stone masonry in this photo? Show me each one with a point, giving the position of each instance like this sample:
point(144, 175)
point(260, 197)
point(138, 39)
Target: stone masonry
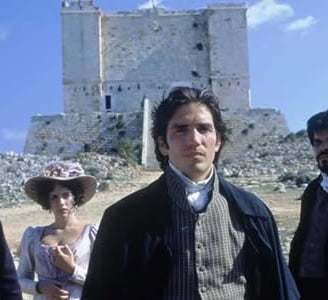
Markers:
point(114, 62)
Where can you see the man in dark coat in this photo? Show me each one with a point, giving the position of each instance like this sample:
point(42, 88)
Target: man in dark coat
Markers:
point(308, 258)
point(9, 286)
point(190, 234)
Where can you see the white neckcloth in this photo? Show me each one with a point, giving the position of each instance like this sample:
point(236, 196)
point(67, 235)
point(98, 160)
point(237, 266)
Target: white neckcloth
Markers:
point(197, 192)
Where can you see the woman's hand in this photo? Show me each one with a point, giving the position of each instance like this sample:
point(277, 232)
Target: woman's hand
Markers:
point(64, 258)
point(52, 290)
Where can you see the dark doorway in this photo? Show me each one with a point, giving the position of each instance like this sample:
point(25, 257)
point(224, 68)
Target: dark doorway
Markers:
point(108, 102)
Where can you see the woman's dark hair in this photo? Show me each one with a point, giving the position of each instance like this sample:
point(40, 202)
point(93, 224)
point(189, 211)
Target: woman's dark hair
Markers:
point(317, 123)
point(178, 96)
point(45, 188)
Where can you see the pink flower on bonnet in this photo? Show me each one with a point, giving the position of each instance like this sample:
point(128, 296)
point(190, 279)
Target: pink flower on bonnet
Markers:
point(62, 171)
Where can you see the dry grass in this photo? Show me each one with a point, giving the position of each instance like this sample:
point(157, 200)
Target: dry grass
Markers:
point(16, 219)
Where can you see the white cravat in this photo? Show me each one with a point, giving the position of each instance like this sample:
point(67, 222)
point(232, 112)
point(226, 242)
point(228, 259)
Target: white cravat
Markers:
point(197, 192)
point(324, 182)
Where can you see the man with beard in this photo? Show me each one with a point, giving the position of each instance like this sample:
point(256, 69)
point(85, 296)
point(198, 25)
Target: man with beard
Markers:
point(308, 258)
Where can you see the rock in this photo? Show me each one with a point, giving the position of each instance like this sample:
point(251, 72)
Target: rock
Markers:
point(287, 160)
point(280, 188)
point(284, 159)
point(16, 168)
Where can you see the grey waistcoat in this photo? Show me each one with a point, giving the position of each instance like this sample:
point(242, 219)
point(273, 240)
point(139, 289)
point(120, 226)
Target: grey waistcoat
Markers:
point(207, 256)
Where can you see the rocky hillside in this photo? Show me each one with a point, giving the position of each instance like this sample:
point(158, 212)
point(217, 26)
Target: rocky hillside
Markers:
point(286, 160)
point(16, 168)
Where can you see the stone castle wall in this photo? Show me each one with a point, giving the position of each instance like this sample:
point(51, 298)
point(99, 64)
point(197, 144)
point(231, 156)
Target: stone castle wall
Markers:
point(113, 63)
point(72, 133)
point(250, 127)
point(69, 134)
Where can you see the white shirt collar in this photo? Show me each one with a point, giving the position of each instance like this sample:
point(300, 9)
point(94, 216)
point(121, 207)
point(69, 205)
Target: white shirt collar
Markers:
point(190, 183)
point(324, 182)
point(197, 192)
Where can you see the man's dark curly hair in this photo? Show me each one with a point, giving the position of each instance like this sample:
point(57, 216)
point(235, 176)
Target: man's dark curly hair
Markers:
point(316, 123)
point(178, 96)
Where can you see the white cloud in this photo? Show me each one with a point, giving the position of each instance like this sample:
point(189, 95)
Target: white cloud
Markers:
point(150, 4)
point(267, 11)
point(301, 24)
point(13, 135)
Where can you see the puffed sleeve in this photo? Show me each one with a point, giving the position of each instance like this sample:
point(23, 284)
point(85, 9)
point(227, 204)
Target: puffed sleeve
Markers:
point(26, 264)
point(81, 267)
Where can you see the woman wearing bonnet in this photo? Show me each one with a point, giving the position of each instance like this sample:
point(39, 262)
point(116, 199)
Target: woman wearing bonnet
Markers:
point(59, 252)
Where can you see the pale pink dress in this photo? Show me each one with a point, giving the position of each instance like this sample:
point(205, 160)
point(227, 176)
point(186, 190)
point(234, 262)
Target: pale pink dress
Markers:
point(36, 262)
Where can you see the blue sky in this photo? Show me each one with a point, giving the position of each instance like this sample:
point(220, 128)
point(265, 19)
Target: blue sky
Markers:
point(288, 50)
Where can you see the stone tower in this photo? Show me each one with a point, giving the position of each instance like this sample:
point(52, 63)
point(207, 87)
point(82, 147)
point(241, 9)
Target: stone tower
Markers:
point(112, 61)
point(81, 52)
point(116, 65)
point(228, 55)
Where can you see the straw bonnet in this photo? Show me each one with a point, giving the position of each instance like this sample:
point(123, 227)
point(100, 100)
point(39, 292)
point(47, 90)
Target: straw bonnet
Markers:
point(60, 172)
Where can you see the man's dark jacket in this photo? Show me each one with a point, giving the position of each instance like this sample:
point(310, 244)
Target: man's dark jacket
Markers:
point(9, 286)
point(308, 201)
point(131, 261)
